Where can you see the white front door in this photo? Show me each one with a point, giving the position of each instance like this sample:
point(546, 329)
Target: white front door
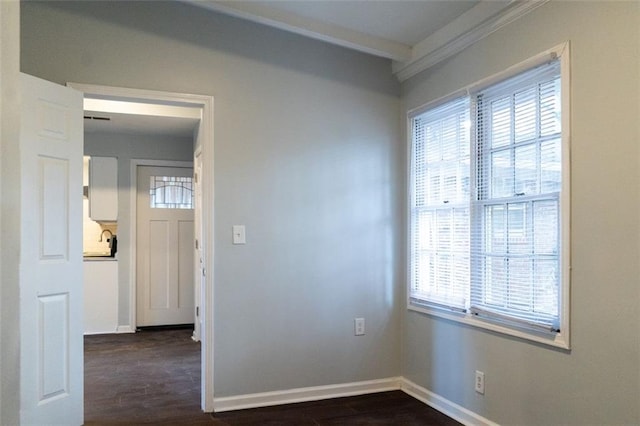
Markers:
point(51, 316)
point(165, 241)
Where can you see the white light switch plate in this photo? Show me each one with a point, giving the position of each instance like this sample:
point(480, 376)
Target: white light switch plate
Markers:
point(239, 235)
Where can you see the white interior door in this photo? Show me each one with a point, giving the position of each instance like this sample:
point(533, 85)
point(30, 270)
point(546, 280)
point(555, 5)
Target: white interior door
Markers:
point(51, 316)
point(165, 240)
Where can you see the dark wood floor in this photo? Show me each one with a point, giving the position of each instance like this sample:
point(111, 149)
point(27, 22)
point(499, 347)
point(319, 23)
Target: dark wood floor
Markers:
point(153, 377)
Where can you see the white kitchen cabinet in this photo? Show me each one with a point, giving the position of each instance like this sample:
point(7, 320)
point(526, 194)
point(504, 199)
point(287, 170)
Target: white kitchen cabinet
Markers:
point(100, 296)
point(103, 189)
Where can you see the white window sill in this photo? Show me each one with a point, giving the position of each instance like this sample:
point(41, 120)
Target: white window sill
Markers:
point(557, 340)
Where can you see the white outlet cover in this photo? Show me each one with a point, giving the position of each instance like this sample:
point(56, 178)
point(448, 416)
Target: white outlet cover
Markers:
point(479, 383)
point(359, 326)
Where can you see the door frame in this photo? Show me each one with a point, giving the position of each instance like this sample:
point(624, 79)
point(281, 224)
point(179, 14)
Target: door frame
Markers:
point(205, 103)
point(133, 228)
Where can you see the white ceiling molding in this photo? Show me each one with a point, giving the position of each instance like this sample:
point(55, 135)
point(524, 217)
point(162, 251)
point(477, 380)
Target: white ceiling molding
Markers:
point(470, 27)
point(263, 14)
point(473, 25)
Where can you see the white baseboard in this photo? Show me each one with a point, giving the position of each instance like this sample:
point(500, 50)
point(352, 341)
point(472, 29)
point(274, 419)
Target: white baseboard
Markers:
point(443, 405)
point(314, 393)
point(125, 329)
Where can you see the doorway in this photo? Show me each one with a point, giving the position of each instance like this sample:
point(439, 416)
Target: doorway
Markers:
point(168, 105)
point(165, 284)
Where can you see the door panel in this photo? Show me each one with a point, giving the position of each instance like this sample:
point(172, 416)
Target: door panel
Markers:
point(165, 240)
point(185, 263)
point(158, 265)
point(51, 318)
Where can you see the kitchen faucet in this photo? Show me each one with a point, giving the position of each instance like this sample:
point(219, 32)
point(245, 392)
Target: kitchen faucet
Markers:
point(110, 235)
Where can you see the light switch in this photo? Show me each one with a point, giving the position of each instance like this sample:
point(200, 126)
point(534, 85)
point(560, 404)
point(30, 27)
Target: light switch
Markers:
point(239, 236)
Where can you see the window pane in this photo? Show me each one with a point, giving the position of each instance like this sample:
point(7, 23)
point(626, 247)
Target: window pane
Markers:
point(546, 290)
point(501, 122)
point(443, 218)
point(425, 274)
point(526, 170)
point(496, 281)
point(425, 231)
point(450, 138)
point(520, 284)
point(496, 230)
point(518, 229)
point(449, 173)
point(432, 140)
point(433, 185)
point(501, 174)
point(550, 166)
point(545, 227)
point(171, 192)
point(525, 115)
point(550, 120)
point(461, 230)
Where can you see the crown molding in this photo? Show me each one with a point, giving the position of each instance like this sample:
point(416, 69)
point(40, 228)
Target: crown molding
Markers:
point(334, 34)
point(470, 27)
point(475, 24)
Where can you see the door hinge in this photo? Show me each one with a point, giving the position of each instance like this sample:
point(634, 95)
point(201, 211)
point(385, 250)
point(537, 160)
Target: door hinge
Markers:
point(195, 178)
point(197, 311)
point(196, 244)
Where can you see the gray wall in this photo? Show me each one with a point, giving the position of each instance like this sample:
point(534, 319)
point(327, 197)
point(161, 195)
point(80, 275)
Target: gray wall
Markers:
point(307, 156)
point(9, 214)
point(125, 148)
point(597, 382)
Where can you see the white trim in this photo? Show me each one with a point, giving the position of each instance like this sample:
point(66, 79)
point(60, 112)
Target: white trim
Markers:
point(469, 28)
point(125, 329)
point(445, 406)
point(206, 104)
point(317, 393)
point(334, 34)
point(314, 393)
point(565, 198)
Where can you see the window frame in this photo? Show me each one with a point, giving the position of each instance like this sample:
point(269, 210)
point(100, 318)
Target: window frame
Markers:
point(560, 339)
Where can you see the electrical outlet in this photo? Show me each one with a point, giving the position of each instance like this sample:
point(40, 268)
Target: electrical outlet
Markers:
point(479, 382)
point(359, 326)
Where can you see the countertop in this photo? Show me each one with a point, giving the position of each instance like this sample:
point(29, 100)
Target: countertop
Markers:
point(94, 258)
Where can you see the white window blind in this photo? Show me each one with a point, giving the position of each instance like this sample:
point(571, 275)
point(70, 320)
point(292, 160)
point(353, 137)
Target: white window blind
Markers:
point(440, 205)
point(486, 203)
point(516, 208)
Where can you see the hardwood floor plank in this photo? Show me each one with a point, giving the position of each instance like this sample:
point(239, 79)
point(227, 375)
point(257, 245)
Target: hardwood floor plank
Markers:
point(153, 378)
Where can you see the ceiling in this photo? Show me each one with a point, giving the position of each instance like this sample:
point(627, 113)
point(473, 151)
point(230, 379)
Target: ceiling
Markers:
point(413, 34)
point(400, 21)
point(129, 124)
point(136, 118)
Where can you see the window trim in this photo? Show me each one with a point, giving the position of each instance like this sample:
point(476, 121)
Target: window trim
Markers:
point(559, 339)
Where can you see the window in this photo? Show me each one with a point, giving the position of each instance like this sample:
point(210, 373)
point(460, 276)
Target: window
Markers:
point(488, 205)
point(171, 192)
